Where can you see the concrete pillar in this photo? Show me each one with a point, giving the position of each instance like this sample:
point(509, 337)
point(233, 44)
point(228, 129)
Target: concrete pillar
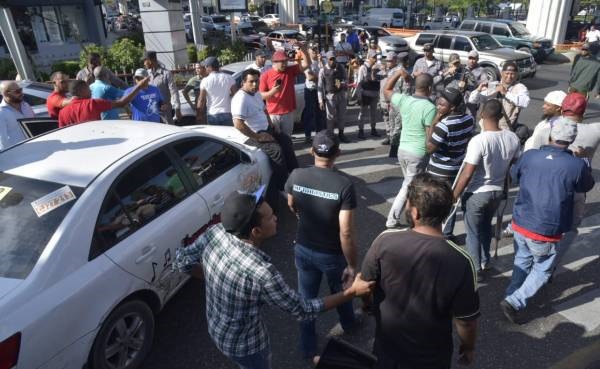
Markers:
point(196, 12)
point(14, 45)
point(123, 7)
point(549, 18)
point(164, 32)
point(95, 23)
point(288, 11)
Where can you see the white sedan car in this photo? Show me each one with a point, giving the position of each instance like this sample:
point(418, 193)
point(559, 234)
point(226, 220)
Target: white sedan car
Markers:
point(90, 219)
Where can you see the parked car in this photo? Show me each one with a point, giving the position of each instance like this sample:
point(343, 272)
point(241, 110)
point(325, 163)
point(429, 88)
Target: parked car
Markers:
point(216, 23)
point(235, 70)
point(438, 23)
point(512, 34)
point(383, 17)
point(86, 260)
point(283, 39)
point(249, 36)
point(385, 40)
point(271, 20)
point(492, 55)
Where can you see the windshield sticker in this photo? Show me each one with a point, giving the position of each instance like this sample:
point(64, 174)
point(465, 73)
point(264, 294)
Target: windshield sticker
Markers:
point(53, 200)
point(4, 191)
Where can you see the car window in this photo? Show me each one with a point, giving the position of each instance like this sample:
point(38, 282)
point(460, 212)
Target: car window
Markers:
point(425, 38)
point(23, 233)
point(518, 29)
point(34, 100)
point(206, 19)
point(147, 189)
point(485, 42)
point(219, 19)
point(206, 159)
point(382, 33)
point(501, 30)
point(444, 42)
point(461, 44)
point(467, 26)
point(483, 27)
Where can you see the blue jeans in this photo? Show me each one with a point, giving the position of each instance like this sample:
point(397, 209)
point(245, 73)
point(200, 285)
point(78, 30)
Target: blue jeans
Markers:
point(221, 119)
point(259, 360)
point(312, 115)
point(534, 262)
point(479, 209)
point(311, 266)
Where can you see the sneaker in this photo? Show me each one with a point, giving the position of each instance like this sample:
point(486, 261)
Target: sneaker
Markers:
point(308, 140)
point(374, 133)
point(509, 312)
point(361, 135)
point(338, 331)
point(343, 139)
point(386, 141)
point(507, 232)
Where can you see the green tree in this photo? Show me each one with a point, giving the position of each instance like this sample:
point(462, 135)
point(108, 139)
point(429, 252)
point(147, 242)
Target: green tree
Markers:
point(87, 50)
point(125, 54)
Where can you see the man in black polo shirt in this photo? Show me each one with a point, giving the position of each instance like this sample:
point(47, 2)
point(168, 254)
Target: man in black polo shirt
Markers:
point(423, 282)
point(324, 201)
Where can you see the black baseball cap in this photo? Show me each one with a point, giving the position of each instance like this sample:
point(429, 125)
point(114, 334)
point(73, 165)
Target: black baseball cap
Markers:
point(239, 208)
point(150, 55)
point(453, 96)
point(428, 47)
point(325, 144)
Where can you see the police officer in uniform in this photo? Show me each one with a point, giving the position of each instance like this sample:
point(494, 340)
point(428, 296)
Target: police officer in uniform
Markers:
point(332, 94)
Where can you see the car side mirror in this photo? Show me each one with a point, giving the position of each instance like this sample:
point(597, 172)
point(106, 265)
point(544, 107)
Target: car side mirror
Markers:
point(245, 158)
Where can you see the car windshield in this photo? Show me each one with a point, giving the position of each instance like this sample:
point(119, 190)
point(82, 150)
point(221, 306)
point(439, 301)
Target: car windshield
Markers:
point(379, 32)
point(485, 42)
point(518, 29)
point(30, 212)
point(219, 19)
point(295, 36)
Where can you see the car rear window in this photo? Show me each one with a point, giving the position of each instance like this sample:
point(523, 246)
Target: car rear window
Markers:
point(467, 26)
point(24, 233)
point(425, 38)
point(219, 20)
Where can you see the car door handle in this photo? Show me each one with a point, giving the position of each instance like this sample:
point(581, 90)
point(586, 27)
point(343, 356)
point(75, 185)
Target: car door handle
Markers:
point(146, 253)
point(218, 201)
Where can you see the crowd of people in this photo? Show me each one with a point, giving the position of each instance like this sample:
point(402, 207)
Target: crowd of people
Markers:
point(458, 139)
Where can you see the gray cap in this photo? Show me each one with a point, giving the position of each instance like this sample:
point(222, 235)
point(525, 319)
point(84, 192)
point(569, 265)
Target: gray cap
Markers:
point(454, 57)
point(212, 62)
point(260, 52)
point(329, 55)
point(391, 55)
point(372, 54)
point(473, 54)
point(564, 129)
point(141, 72)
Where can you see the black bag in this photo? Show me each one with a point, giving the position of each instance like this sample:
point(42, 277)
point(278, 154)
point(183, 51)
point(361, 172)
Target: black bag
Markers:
point(339, 354)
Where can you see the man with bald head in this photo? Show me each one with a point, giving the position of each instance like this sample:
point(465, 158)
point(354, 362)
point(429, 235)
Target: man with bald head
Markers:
point(417, 113)
point(58, 98)
point(102, 89)
point(12, 108)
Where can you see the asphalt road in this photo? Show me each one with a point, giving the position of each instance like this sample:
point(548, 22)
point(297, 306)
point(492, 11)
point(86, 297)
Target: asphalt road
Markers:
point(564, 319)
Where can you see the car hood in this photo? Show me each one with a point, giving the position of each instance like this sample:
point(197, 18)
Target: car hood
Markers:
point(534, 38)
point(7, 285)
point(393, 40)
point(505, 53)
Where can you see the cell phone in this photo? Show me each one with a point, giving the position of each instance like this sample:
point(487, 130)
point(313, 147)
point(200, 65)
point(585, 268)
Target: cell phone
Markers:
point(278, 82)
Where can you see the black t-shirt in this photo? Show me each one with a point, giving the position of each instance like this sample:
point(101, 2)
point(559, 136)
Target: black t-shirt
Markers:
point(422, 283)
point(319, 195)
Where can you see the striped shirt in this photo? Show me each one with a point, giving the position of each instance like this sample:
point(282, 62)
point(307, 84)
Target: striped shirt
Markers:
point(451, 135)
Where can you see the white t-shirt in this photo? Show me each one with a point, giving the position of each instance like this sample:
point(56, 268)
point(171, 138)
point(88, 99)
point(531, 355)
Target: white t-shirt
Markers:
point(593, 36)
point(218, 90)
point(262, 69)
point(491, 152)
point(251, 109)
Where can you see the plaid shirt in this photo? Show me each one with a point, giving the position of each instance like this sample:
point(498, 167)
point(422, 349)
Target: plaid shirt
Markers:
point(239, 279)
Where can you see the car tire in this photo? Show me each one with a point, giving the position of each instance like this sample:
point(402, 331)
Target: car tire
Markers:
point(137, 319)
point(491, 73)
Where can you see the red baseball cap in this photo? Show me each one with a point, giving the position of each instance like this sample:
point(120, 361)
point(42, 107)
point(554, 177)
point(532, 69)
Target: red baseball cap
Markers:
point(574, 104)
point(279, 56)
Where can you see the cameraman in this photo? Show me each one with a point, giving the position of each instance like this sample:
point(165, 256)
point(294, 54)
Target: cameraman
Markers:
point(277, 89)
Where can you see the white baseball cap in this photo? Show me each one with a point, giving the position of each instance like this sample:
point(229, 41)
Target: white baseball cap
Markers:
point(555, 97)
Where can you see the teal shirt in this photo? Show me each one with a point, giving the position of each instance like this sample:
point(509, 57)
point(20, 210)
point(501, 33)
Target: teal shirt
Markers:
point(101, 90)
point(417, 114)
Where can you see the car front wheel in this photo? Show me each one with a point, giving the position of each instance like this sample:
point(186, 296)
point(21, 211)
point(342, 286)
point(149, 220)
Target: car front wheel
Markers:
point(491, 73)
point(125, 337)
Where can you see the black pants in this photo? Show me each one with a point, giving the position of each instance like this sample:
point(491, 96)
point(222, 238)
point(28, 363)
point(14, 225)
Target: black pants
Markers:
point(283, 160)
